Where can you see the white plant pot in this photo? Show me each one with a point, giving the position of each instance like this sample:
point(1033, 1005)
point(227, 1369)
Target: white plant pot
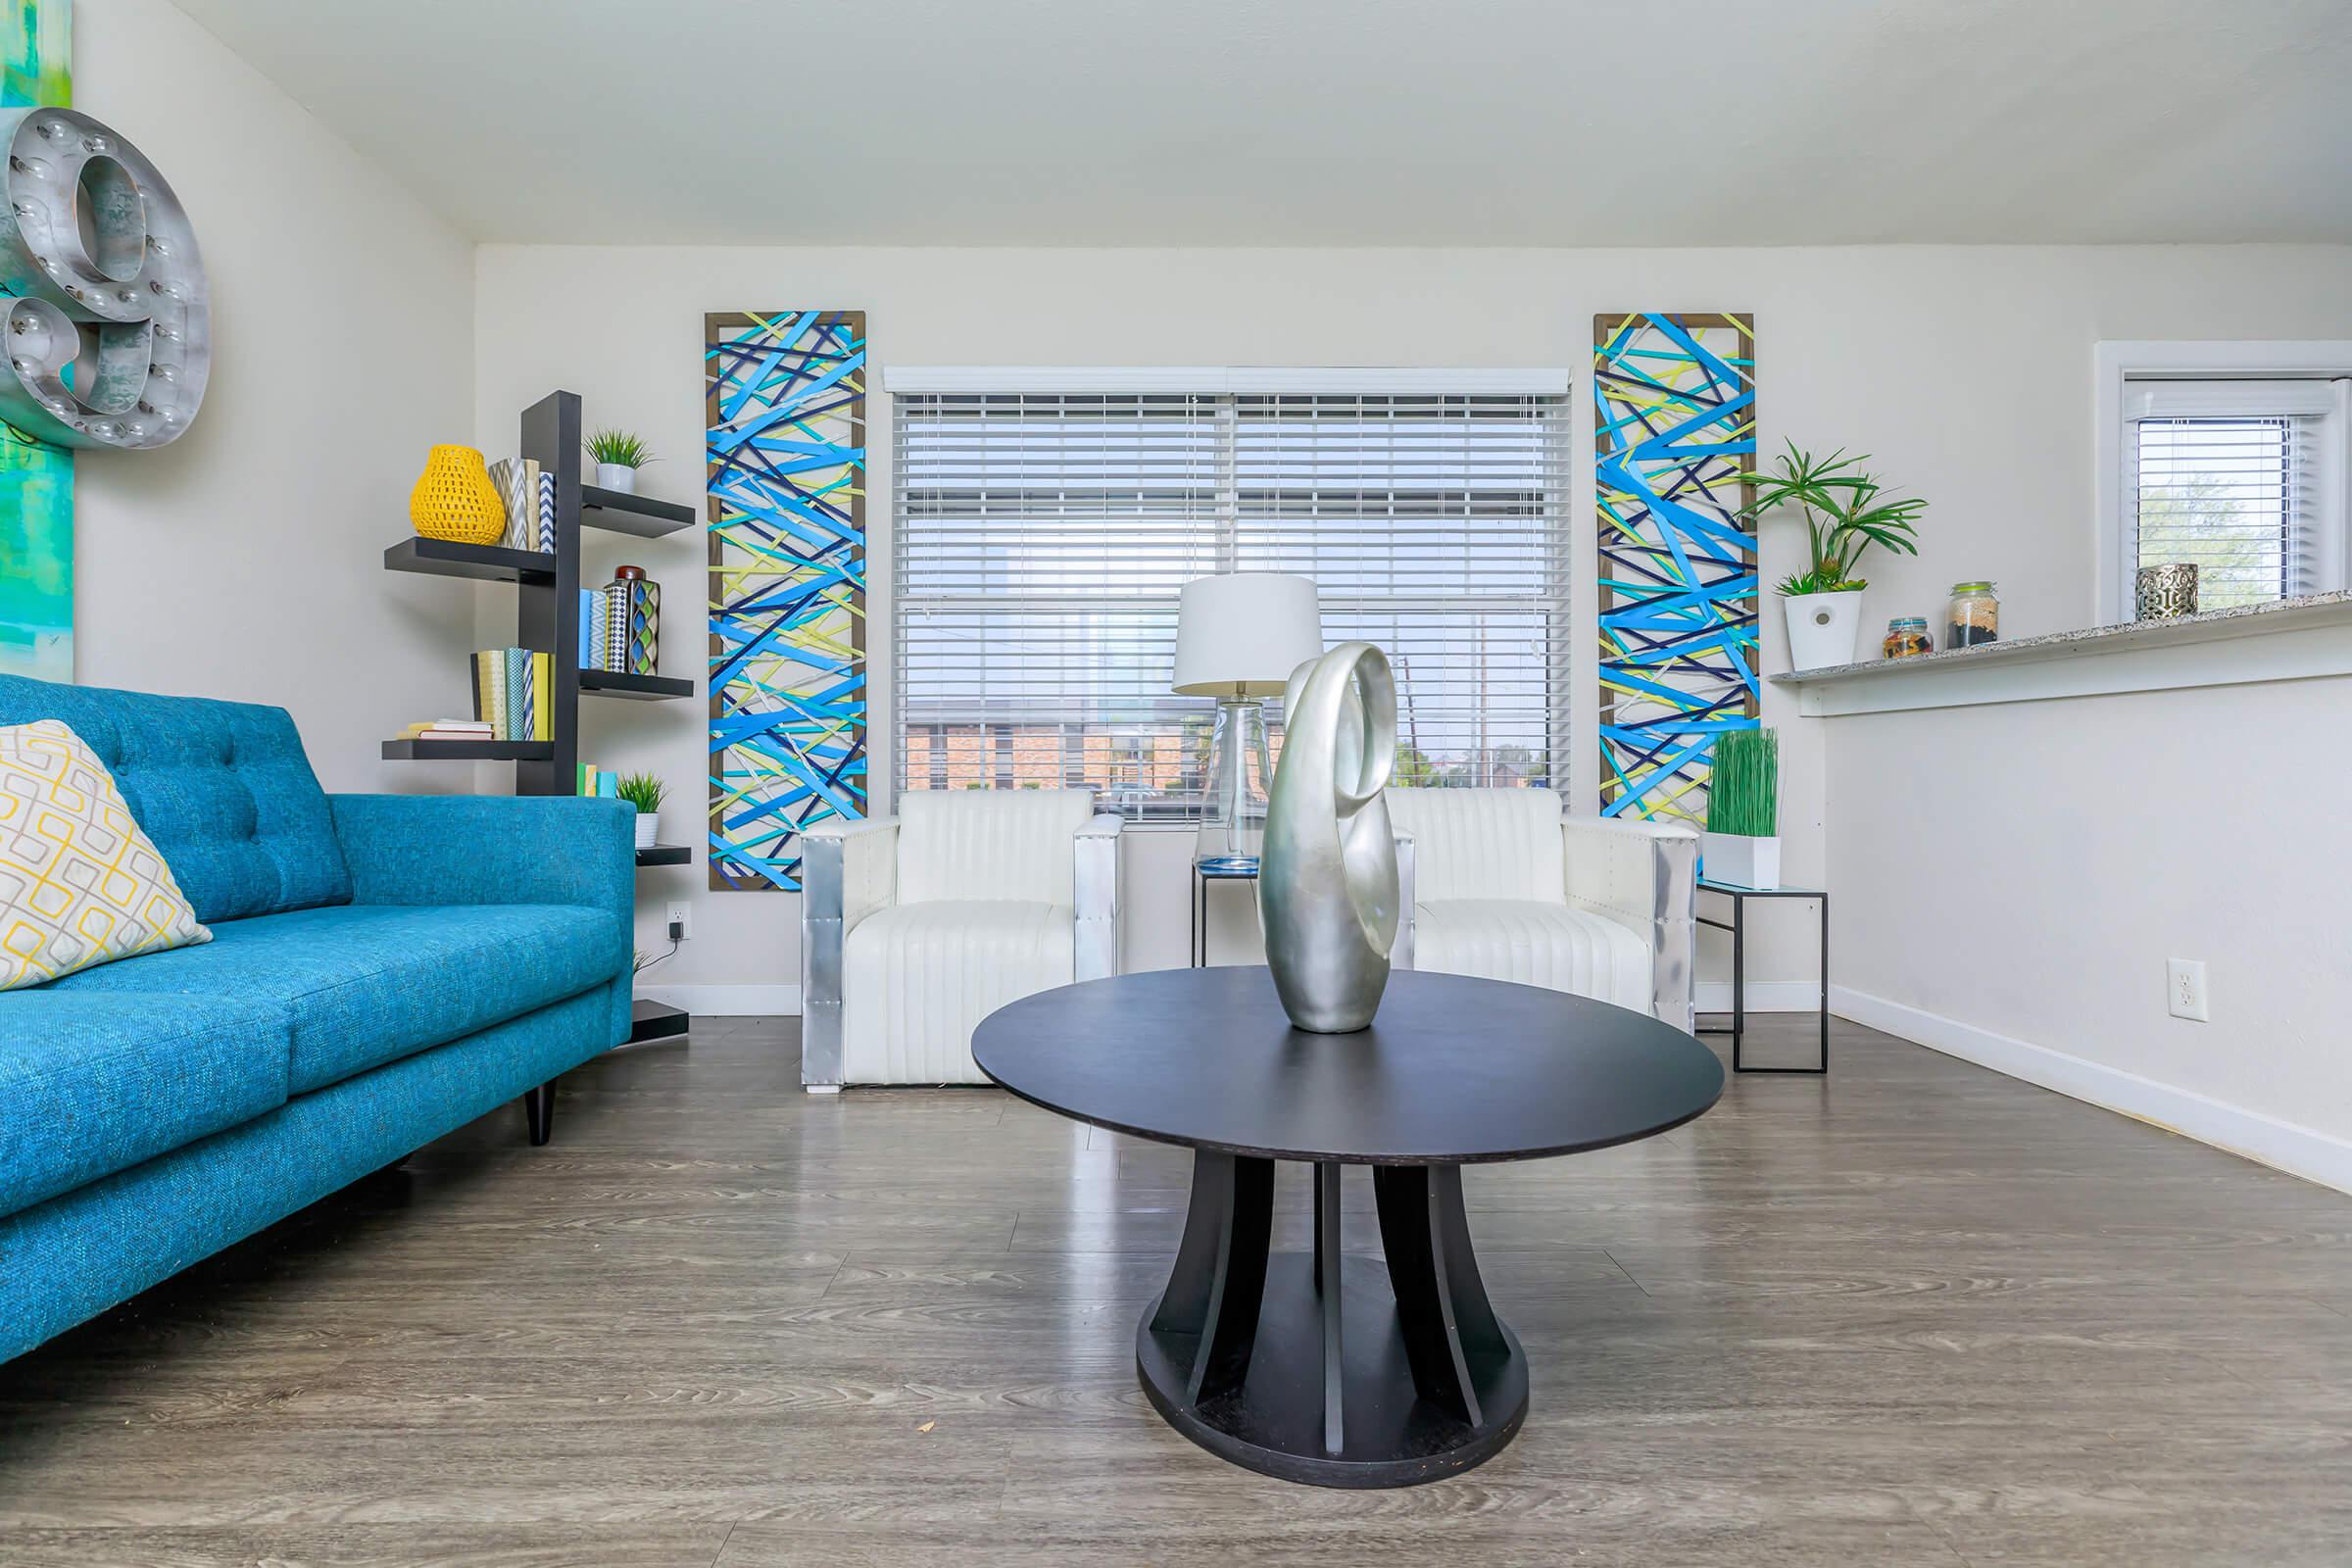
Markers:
point(1742, 860)
point(617, 476)
point(1823, 629)
point(647, 824)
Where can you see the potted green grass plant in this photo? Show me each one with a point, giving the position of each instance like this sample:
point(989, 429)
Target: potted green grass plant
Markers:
point(1846, 512)
point(1742, 845)
point(644, 792)
point(617, 456)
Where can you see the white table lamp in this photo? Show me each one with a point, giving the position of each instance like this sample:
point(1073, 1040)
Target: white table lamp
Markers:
point(1237, 638)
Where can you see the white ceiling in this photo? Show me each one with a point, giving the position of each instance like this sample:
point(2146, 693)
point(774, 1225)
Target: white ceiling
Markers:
point(1336, 121)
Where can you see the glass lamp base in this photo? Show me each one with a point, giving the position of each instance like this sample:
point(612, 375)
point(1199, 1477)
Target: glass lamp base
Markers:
point(1233, 819)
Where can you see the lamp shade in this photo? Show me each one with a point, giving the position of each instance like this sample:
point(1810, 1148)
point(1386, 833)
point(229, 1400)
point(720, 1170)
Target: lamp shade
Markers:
point(1242, 634)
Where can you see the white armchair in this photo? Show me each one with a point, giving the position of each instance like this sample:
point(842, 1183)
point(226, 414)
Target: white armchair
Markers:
point(915, 927)
point(1502, 885)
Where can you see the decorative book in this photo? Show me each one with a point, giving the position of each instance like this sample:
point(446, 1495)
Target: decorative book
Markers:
point(515, 693)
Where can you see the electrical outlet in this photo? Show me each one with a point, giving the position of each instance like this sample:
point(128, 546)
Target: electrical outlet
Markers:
point(681, 915)
point(2184, 988)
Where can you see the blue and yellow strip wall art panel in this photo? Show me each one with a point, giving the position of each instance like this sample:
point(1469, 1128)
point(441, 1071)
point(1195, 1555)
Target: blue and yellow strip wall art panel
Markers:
point(1674, 469)
point(36, 481)
point(785, 411)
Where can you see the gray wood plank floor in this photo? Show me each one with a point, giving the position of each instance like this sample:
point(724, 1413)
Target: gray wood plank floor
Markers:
point(1916, 1313)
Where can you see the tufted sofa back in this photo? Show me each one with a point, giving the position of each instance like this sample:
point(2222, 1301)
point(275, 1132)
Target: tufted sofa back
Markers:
point(224, 789)
point(990, 844)
point(1483, 844)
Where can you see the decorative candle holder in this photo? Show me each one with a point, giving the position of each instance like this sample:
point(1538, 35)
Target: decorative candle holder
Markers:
point(2164, 593)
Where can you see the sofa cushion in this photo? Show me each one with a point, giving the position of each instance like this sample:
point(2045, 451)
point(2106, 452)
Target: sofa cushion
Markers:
point(1535, 944)
point(917, 979)
point(364, 984)
point(90, 1085)
point(224, 789)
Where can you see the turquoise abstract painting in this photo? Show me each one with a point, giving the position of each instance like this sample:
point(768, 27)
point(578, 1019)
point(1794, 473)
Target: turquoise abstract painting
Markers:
point(36, 481)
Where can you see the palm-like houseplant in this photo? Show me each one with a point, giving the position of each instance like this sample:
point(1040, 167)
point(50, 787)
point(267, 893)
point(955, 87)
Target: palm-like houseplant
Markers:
point(1845, 512)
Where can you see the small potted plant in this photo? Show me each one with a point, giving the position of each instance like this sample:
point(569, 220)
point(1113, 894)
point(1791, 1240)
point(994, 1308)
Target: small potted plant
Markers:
point(617, 456)
point(644, 792)
point(1742, 845)
point(1846, 512)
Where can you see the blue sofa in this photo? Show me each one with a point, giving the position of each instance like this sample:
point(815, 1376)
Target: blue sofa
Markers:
point(383, 969)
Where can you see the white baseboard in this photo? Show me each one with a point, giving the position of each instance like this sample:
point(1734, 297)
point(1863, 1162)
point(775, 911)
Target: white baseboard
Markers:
point(728, 1001)
point(1763, 995)
point(2299, 1151)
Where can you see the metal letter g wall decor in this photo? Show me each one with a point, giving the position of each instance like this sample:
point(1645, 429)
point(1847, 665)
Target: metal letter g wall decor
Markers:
point(108, 329)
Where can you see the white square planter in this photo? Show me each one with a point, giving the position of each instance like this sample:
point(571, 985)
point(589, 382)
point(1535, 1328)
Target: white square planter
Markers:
point(1740, 860)
point(1824, 629)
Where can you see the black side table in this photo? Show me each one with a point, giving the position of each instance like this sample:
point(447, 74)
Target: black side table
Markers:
point(1738, 927)
point(1207, 870)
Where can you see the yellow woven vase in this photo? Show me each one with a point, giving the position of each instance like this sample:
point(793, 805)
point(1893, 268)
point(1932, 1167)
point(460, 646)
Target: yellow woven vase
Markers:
point(455, 500)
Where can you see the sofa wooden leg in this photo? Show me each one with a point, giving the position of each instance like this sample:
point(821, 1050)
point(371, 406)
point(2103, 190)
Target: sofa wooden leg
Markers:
point(539, 1111)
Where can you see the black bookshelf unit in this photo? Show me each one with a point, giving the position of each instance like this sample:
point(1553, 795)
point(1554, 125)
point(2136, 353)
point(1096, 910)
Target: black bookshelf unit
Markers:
point(547, 619)
point(467, 750)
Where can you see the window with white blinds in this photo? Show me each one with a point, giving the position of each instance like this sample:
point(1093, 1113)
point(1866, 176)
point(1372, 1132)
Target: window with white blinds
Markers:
point(1040, 540)
point(2244, 479)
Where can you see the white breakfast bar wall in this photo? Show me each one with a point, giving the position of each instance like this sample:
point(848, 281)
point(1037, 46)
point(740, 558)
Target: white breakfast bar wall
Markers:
point(1964, 370)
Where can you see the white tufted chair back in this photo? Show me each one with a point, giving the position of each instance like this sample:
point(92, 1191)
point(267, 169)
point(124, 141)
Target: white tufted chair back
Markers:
point(989, 843)
point(1483, 844)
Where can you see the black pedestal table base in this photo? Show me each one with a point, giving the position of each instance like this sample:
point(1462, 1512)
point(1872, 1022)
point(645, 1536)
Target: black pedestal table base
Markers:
point(1323, 1367)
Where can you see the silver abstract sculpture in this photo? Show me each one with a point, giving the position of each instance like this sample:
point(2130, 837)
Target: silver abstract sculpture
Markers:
point(1327, 885)
point(109, 332)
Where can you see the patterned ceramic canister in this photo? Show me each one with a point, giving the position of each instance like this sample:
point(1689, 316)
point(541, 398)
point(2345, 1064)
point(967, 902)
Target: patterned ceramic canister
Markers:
point(2162, 593)
point(645, 628)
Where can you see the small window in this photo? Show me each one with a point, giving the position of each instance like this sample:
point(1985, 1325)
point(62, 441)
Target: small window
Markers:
point(2243, 478)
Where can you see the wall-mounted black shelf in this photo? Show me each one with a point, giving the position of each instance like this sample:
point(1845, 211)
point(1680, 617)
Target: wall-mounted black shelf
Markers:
point(620, 511)
point(665, 855)
point(444, 557)
point(656, 1020)
point(644, 688)
point(468, 751)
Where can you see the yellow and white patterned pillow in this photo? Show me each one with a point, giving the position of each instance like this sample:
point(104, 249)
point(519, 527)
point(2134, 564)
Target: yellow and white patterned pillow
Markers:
point(79, 884)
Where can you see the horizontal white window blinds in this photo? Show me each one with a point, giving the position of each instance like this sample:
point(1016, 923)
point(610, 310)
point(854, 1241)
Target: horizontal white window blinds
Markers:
point(1041, 538)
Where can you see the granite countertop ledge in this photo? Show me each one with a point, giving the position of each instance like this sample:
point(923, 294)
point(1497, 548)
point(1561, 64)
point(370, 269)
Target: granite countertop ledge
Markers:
point(2294, 639)
point(2210, 625)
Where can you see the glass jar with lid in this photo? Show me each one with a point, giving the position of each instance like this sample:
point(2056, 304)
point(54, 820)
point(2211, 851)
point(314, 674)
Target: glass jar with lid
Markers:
point(1907, 637)
point(1974, 615)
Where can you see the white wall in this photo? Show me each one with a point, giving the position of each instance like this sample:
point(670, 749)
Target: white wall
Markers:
point(245, 560)
point(1965, 371)
point(2011, 880)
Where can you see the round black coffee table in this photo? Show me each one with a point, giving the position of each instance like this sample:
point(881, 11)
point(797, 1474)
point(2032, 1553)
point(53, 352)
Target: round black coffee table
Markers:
point(1316, 1367)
